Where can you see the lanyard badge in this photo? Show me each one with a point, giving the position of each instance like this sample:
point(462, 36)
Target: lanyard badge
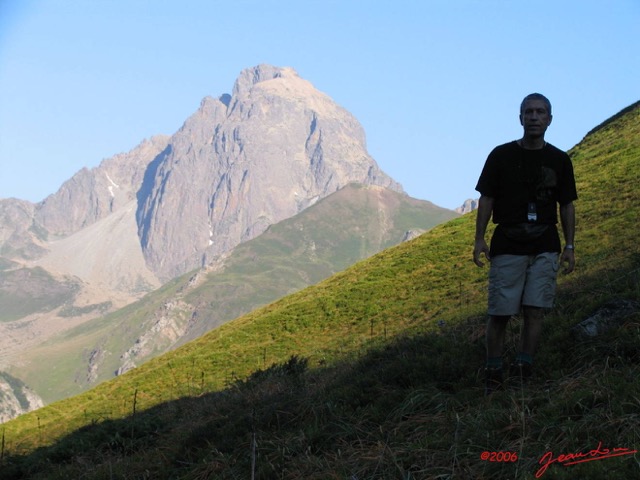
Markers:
point(532, 214)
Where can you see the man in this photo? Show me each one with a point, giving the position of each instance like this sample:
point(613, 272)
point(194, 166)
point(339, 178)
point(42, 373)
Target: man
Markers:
point(521, 185)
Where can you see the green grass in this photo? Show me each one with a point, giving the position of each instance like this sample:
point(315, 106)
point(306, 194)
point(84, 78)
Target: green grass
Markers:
point(376, 373)
point(297, 252)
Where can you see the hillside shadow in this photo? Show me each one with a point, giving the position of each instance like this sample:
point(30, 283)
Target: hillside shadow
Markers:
point(278, 402)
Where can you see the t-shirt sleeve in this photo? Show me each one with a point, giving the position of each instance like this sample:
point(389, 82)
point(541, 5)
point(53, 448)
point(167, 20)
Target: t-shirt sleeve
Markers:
point(488, 178)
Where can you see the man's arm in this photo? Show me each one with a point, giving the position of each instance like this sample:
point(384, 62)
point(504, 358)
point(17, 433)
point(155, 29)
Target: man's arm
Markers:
point(485, 208)
point(568, 221)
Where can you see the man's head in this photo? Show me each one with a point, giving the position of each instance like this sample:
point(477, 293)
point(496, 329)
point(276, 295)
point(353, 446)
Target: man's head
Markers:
point(535, 115)
point(536, 96)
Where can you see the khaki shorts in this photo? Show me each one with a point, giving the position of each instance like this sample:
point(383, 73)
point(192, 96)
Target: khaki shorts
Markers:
point(517, 280)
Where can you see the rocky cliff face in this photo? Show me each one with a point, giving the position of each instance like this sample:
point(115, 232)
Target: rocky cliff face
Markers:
point(18, 237)
point(93, 194)
point(469, 205)
point(16, 398)
point(86, 232)
point(245, 161)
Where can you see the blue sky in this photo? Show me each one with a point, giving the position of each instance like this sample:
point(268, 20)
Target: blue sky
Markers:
point(435, 84)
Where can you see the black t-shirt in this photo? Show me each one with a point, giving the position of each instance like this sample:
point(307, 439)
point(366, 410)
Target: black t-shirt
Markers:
point(521, 180)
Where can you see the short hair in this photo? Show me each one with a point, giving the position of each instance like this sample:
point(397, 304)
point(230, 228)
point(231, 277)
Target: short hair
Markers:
point(536, 96)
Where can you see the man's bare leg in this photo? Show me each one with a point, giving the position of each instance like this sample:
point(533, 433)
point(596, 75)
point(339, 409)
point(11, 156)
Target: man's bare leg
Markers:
point(531, 329)
point(496, 328)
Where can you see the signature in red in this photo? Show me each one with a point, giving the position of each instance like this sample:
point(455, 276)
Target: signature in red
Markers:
point(598, 453)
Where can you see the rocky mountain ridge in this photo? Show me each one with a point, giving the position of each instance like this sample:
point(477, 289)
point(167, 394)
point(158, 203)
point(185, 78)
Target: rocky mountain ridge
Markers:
point(111, 234)
point(16, 398)
point(240, 163)
point(274, 147)
point(469, 205)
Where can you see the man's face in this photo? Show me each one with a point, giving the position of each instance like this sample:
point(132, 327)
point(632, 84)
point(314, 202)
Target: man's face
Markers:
point(535, 118)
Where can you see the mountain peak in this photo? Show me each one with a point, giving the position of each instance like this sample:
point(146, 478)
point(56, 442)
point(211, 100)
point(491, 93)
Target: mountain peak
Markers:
point(260, 73)
point(240, 164)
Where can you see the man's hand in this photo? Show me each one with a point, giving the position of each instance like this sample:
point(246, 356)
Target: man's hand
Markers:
point(568, 257)
point(479, 248)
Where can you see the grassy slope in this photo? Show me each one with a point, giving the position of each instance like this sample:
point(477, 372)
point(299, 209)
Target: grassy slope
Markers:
point(381, 387)
point(26, 291)
point(322, 240)
point(325, 238)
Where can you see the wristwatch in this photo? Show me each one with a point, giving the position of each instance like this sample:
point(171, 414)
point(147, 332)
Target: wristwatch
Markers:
point(569, 246)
